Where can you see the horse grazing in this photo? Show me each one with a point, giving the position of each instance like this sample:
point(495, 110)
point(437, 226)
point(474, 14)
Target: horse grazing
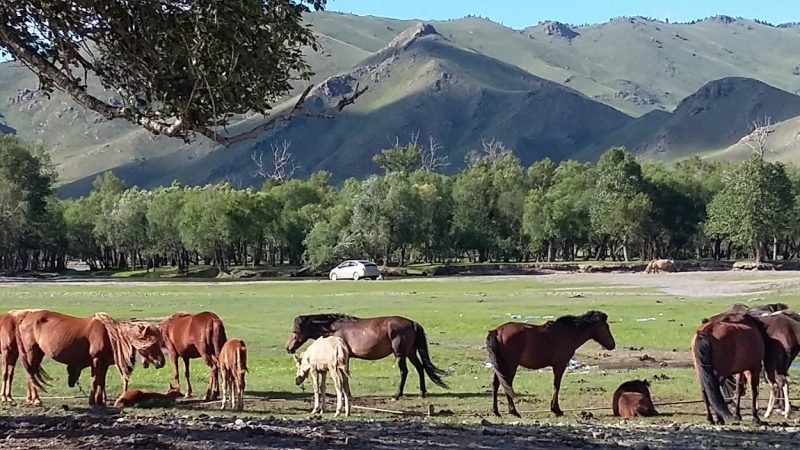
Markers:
point(725, 345)
point(191, 336)
point(552, 344)
point(632, 399)
point(97, 341)
point(233, 365)
point(147, 399)
point(372, 339)
point(324, 355)
point(658, 265)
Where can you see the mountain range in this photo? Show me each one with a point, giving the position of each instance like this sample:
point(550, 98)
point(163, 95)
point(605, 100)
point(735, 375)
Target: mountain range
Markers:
point(663, 90)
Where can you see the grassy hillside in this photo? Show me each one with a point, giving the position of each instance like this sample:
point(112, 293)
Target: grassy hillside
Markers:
point(548, 90)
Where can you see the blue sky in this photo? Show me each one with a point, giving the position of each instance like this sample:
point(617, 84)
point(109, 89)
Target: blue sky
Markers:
point(522, 13)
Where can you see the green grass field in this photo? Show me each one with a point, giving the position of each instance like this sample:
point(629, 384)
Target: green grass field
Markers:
point(456, 314)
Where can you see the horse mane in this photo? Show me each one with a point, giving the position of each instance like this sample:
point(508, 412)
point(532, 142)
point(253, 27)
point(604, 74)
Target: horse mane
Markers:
point(321, 322)
point(124, 341)
point(584, 320)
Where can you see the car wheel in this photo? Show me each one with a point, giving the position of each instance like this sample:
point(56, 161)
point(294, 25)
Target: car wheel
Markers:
point(355, 276)
point(373, 278)
point(333, 277)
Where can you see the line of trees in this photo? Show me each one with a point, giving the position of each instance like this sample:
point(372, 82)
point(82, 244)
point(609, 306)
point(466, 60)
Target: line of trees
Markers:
point(493, 210)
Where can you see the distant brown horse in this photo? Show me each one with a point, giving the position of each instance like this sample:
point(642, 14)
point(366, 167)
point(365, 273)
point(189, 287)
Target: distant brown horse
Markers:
point(191, 336)
point(658, 265)
point(233, 365)
point(552, 344)
point(9, 350)
point(632, 399)
point(97, 341)
point(725, 345)
point(372, 339)
point(147, 399)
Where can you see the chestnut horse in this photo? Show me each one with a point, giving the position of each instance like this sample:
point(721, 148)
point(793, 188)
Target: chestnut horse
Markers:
point(731, 344)
point(233, 365)
point(147, 399)
point(191, 336)
point(373, 339)
point(632, 399)
point(515, 344)
point(9, 350)
point(97, 341)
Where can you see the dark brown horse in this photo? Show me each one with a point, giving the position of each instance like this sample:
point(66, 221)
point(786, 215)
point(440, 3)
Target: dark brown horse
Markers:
point(98, 342)
point(191, 336)
point(632, 399)
point(725, 345)
point(372, 339)
point(552, 344)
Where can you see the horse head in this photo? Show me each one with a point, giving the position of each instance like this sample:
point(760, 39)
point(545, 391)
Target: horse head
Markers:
point(601, 331)
point(150, 345)
point(302, 368)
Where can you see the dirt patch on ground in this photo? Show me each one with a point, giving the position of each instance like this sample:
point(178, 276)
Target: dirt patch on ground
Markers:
point(179, 432)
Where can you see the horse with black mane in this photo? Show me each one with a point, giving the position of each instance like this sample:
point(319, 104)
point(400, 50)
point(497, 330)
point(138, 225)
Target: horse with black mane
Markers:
point(373, 339)
point(515, 344)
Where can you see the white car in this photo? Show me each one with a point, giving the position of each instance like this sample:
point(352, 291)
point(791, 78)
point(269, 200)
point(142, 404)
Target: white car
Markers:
point(355, 270)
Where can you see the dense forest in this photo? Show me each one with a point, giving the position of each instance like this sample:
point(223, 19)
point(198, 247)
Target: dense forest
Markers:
point(493, 210)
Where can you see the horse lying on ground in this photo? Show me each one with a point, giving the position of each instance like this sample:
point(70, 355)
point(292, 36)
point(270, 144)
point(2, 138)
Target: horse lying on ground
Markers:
point(658, 265)
point(147, 399)
point(326, 355)
point(372, 339)
point(632, 399)
point(98, 341)
point(233, 366)
point(552, 344)
point(191, 336)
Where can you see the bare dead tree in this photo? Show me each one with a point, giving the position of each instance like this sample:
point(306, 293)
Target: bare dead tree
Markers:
point(283, 165)
point(431, 158)
point(760, 130)
point(493, 149)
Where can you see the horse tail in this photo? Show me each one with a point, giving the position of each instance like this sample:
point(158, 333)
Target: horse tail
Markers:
point(705, 371)
point(241, 359)
point(421, 343)
point(218, 339)
point(498, 362)
point(38, 377)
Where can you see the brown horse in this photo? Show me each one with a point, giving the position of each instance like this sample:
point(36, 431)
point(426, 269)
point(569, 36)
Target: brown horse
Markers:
point(191, 336)
point(9, 350)
point(233, 365)
point(552, 344)
point(372, 339)
point(658, 265)
point(147, 399)
point(632, 399)
point(725, 345)
point(97, 341)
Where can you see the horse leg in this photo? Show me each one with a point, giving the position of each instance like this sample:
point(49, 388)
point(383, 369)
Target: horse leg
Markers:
point(558, 373)
point(337, 385)
point(315, 384)
point(185, 375)
point(773, 396)
point(495, 388)
point(35, 358)
point(322, 382)
point(347, 395)
point(752, 377)
point(225, 389)
point(10, 357)
point(709, 417)
point(785, 389)
point(212, 392)
point(421, 371)
point(738, 397)
point(401, 364)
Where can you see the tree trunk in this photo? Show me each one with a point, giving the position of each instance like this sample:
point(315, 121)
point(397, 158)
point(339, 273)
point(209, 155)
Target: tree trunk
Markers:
point(775, 248)
point(625, 251)
point(550, 250)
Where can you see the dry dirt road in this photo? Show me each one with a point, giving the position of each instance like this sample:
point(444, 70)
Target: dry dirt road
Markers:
point(205, 433)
